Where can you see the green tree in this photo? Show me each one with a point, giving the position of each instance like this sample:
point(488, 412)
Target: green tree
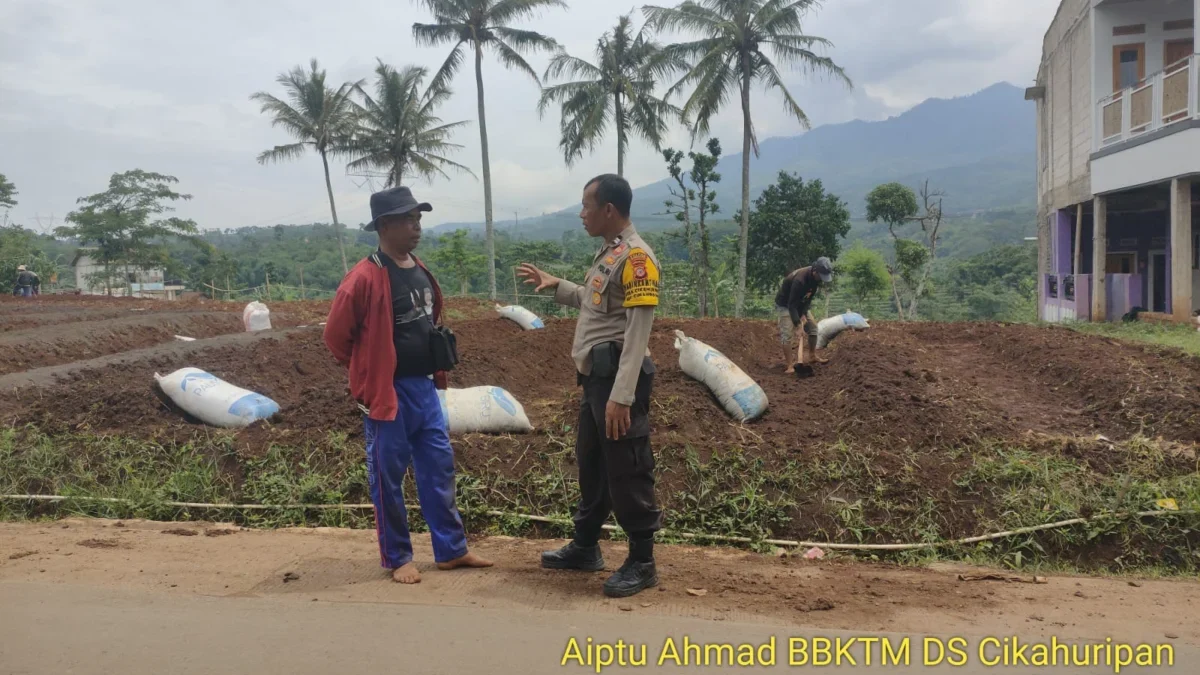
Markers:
point(891, 203)
point(894, 204)
point(121, 222)
point(479, 25)
point(455, 253)
point(398, 131)
point(619, 90)
point(318, 117)
point(793, 224)
point(863, 272)
point(8, 192)
point(730, 58)
point(702, 175)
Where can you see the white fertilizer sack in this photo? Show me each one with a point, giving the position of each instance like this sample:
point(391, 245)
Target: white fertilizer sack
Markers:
point(741, 396)
point(523, 317)
point(256, 316)
point(828, 329)
point(483, 410)
point(213, 400)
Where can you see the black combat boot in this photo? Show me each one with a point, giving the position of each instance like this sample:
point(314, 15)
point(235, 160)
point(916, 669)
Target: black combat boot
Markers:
point(637, 574)
point(573, 556)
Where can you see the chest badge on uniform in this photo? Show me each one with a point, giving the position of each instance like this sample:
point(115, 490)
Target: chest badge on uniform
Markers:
point(596, 298)
point(597, 282)
point(620, 249)
point(611, 260)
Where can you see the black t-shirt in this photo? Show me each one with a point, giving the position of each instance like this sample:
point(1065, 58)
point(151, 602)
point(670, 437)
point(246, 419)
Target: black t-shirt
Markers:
point(412, 315)
point(797, 291)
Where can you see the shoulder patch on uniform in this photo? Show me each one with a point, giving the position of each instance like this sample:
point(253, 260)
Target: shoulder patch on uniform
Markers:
point(640, 279)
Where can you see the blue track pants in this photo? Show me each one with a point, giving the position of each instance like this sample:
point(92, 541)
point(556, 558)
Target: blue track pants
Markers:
point(419, 436)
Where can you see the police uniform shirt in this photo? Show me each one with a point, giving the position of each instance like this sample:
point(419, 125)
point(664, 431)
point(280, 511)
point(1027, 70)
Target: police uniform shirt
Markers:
point(616, 303)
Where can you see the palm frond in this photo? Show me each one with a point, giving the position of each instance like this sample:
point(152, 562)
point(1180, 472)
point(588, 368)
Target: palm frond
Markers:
point(718, 79)
point(688, 16)
point(283, 153)
point(450, 66)
point(766, 71)
point(524, 41)
point(806, 60)
point(585, 118)
point(512, 59)
point(565, 64)
point(508, 11)
point(565, 91)
point(434, 34)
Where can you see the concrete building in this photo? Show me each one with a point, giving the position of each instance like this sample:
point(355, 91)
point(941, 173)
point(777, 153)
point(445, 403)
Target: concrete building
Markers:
point(136, 282)
point(1118, 127)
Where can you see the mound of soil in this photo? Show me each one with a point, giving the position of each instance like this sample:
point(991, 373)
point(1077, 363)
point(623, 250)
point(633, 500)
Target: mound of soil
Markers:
point(897, 385)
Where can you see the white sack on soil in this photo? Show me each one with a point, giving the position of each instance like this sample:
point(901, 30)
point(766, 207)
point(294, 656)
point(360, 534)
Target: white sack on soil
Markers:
point(256, 316)
point(828, 329)
point(523, 317)
point(213, 400)
point(741, 396)
point(483, 410)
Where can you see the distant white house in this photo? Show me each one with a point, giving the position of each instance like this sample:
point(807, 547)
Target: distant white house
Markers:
point(136, 281)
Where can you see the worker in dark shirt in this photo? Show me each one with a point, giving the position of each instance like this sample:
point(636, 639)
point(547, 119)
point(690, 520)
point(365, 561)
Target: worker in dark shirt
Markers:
point(381, 326)
point(27, 282)
point(793, 303)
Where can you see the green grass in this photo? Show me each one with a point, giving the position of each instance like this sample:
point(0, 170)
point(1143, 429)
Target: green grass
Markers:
point(1177, 336)
point(845, 492)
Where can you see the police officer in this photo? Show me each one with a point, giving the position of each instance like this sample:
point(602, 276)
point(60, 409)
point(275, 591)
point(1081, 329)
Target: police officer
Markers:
point(616, 306)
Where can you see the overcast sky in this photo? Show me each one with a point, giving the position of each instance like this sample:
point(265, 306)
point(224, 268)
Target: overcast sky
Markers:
point(92, 88)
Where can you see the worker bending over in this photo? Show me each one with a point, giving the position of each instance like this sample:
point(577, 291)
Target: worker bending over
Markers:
point(793, 303)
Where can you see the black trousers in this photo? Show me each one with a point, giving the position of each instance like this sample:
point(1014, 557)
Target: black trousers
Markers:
point(615, 476)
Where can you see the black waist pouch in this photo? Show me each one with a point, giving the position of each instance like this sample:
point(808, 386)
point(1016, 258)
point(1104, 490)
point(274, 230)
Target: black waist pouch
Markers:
point(606, 359)
point(443, 348)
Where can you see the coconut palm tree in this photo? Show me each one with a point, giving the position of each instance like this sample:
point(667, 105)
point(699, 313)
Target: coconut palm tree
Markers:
point(619, 90)
point(480, 25)
point(729, 58)
point(317, 116)
point(397, 130)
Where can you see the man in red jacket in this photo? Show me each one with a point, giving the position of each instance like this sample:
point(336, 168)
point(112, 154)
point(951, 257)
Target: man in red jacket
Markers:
point(380, 326)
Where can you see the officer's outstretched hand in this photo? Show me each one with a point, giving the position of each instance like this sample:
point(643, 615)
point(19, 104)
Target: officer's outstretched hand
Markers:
point(534, 276)
point(617, 420)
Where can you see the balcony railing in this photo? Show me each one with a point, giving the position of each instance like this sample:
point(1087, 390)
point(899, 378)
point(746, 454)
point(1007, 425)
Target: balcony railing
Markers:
point(1158, 101)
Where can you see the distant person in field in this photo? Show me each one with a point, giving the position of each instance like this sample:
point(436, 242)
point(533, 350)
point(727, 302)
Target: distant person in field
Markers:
point(793, 304)
point(382, 326)
point(28, 282)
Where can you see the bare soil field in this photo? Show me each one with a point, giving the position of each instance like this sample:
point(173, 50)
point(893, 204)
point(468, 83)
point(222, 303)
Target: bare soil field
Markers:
point(909, 425)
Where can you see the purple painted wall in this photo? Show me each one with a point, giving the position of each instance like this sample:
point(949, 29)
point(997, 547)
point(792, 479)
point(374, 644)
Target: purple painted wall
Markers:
point(1124, 293)
point(1063, 252)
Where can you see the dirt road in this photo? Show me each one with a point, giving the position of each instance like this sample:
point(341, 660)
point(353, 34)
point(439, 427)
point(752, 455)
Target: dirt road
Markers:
point(95, 596)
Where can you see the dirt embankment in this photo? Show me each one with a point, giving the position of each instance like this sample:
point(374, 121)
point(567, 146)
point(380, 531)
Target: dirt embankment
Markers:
point(887, 432)
point(920, 385)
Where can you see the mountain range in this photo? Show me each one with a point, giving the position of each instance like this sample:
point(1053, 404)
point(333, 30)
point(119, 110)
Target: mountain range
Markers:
point(978, 149)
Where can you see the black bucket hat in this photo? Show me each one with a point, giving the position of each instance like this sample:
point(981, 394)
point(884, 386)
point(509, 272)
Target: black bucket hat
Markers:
point(393, 202)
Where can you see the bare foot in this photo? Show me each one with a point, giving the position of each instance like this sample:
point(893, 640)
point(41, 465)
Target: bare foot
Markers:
point(468, 560)
point(820, 359)
point(407, 574)
point(791, 370)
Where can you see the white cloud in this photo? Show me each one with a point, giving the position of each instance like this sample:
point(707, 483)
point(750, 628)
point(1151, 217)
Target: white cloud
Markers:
point(92, 89)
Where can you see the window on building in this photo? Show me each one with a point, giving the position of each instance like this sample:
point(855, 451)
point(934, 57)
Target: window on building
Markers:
point(1129, 65)
point(1196, 251)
